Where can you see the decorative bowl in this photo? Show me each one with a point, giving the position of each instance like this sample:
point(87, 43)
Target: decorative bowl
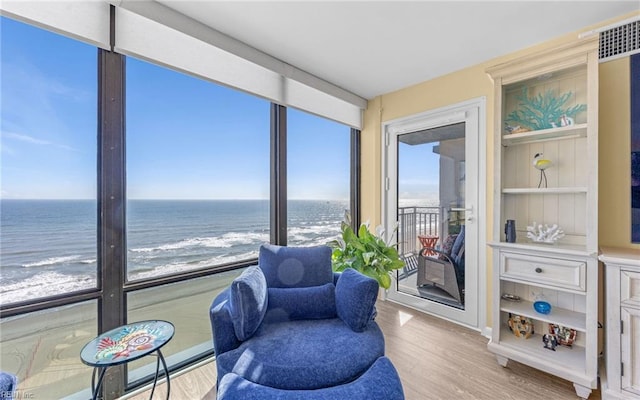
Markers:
point(510, 297)
point(542, 307)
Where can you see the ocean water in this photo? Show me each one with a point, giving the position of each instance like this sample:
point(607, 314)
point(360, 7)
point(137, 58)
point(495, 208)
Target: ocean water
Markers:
point(49, 246)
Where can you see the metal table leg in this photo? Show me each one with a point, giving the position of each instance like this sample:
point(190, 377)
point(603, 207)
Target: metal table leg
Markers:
point(95, 390)
point(166, 372)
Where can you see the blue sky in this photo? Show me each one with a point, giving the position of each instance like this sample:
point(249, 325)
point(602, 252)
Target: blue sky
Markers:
point(186, 138)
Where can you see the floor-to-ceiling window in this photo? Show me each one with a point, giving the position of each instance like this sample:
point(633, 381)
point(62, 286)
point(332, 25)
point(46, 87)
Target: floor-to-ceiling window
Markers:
point(198, 196)
point(318, 166)
point(48, 206)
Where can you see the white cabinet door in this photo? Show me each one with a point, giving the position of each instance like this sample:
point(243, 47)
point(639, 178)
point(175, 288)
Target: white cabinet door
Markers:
point(630, 350)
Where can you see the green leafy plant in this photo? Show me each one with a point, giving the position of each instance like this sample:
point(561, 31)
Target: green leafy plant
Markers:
point(542, 111)
point(365, 252)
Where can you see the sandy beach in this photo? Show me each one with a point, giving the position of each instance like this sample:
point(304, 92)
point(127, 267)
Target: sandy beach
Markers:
point(43, 348)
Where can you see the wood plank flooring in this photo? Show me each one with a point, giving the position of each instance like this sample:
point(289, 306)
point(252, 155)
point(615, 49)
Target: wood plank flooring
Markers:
point(435, 359)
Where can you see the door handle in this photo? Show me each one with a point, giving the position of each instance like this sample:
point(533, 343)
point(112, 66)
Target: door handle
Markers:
point(469, 210)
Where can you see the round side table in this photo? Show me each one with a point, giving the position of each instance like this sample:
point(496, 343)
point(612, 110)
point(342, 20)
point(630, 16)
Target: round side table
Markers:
point(127, 343)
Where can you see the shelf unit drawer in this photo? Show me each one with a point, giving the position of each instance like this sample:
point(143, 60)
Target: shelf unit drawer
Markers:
point(554, 272)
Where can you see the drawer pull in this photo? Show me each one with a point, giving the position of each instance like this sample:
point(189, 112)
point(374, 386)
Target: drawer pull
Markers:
point(538, 270)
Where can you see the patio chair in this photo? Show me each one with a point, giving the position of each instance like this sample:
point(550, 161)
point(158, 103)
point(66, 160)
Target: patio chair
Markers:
point(444, 268)
point(410, 265)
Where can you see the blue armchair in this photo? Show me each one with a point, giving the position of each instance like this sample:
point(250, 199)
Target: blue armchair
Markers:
point(290, 328)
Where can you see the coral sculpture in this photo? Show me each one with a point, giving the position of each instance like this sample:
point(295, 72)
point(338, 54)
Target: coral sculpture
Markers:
point(543, 111)
point(544, 234)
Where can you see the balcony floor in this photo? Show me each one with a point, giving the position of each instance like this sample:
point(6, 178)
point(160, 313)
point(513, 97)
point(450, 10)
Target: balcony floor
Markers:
point(436, 359)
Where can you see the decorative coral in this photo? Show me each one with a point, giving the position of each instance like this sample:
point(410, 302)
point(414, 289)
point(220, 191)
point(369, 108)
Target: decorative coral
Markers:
point(543, 111)
point(544, 234)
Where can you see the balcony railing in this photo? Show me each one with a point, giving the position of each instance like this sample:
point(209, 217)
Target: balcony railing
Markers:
point(415, 221)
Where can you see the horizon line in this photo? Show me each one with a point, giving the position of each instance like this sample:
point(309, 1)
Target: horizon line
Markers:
point(168, 199)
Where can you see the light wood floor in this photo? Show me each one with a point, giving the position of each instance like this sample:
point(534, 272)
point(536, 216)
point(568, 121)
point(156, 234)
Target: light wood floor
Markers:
point(435, 359)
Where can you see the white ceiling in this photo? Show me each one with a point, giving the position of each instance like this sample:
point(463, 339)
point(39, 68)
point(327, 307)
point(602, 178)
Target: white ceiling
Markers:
point(375, 47)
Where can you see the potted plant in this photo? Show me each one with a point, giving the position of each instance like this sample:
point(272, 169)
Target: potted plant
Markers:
point(365, 252)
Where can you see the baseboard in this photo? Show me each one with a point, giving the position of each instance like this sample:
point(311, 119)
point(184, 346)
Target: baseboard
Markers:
point(486, 332)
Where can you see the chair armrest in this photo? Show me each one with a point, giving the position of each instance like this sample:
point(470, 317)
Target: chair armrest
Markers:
point(426, 250)
point(224, 337)
point(458, 266)
point(336, 276)
point(356, 296)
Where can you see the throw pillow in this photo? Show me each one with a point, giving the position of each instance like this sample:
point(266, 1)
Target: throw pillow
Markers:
point(314, 302)
point(295, 266)
point(356, 296)
point(248, 302)
point(447, 245)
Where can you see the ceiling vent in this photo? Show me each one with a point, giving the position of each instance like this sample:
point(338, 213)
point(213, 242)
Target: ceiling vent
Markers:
point(622, 40)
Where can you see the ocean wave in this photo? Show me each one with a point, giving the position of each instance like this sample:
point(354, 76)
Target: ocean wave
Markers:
point(177, 267)
point(225, 241)
point(313, 234)
point(44, 284)
point(51, 261)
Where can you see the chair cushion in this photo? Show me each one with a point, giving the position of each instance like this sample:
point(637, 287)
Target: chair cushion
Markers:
point(295, 266)
point(356, 296)
point(248, 302)
point(457, 255)
point(458, 244)
point(447, 245)
point(289, 304)
point(307, 354)
point(380, 382)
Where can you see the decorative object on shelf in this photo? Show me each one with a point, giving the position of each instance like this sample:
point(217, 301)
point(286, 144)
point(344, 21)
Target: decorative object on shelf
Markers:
point(566, 121)
point(510, 297)
point(510, 231)
point(544, 234)
point(550, 341)
point(515, 129)
point(520, 326)
point(544, 111)
point(541, 305)
point(565, 336)
point(542, 164)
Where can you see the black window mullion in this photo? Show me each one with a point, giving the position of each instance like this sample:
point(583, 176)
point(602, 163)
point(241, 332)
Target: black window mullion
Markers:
point(278, 181)
point(111, 203)
point(354, 197)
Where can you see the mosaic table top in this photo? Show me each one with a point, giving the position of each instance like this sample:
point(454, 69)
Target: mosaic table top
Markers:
point(127, 343)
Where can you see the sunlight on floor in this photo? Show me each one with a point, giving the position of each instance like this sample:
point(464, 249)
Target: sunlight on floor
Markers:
point(404, 317)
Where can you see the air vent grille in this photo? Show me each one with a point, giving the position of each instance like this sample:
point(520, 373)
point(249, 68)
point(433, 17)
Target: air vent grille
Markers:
point(620, 40)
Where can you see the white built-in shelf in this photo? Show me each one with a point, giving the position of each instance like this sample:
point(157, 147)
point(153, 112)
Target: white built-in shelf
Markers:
point(569, 357)
point(566, 132)
point(567, 70)
point(551, 190)
point(558, 316)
